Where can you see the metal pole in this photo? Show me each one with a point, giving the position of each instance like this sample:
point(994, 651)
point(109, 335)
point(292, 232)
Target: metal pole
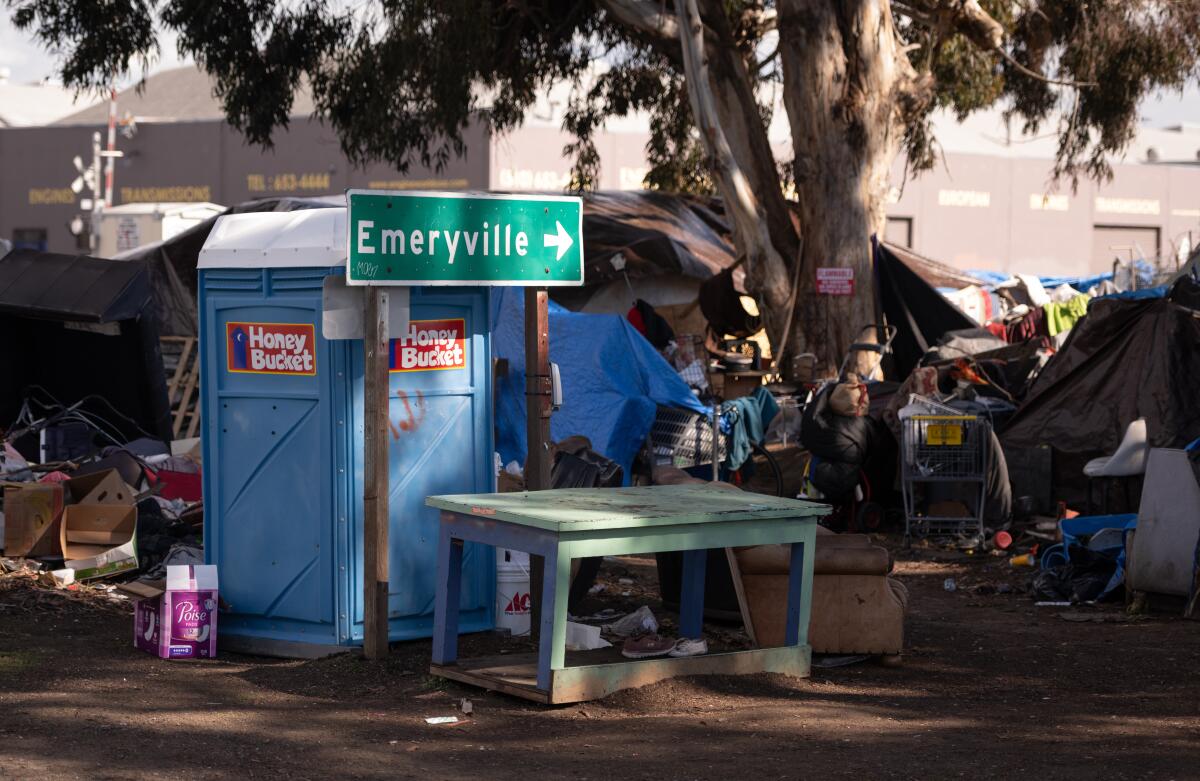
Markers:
point(97, 201)
point(112, 147)
point(716, 442)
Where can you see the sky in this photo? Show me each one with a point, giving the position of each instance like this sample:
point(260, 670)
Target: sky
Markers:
point(28, 62)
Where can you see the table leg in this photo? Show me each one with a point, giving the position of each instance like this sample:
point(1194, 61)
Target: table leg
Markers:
point(691, 594)
point(795, 612)
point(552, 644)
point(445, 606)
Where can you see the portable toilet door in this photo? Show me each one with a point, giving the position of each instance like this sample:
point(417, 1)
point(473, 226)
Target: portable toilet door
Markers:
point(283, 440)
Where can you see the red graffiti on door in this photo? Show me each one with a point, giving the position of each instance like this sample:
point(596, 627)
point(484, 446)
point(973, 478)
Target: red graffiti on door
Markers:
point(409, 420)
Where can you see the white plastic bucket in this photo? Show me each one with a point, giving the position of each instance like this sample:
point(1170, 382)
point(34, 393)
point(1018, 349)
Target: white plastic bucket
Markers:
point(512, 591)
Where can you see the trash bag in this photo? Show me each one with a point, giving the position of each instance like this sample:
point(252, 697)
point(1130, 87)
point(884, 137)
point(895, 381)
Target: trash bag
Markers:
point(834, 478)
point(1082, 579)
point(835, 437)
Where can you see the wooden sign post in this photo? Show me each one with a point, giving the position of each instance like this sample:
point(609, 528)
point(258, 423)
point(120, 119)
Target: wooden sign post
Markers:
point(405, 238)
point(537, 425)
point(375, 476)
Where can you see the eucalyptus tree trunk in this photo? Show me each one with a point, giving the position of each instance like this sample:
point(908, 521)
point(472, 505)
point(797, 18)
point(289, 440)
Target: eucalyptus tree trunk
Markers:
point(847, 85)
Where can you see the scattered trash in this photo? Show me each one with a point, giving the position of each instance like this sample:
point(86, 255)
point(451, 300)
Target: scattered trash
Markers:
point(466, 706)
point(581, 637)
point(596, 589)
point(950, 585)
point(176, 618)
point(637, 622)
point(441, 720)
point(1024, 560)
point(625, 581)
point(59, 578)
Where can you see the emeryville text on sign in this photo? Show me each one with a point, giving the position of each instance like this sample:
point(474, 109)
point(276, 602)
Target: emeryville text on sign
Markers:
point(410, 238)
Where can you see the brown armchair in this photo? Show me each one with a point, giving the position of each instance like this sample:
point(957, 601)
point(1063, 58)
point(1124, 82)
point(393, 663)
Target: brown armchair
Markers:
point(857, 608)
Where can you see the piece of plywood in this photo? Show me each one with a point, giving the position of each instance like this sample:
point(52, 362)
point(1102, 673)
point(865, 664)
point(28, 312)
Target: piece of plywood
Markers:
point(735, 573)
point(516, 675)
point(1162, 552)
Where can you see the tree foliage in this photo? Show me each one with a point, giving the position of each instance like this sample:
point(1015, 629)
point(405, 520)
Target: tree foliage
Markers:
point(401, 80)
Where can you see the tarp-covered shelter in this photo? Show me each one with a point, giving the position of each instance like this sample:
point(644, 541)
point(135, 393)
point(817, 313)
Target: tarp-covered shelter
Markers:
point(613, 380)
point(906, 284)
point(82, 327)
point(1126, 359)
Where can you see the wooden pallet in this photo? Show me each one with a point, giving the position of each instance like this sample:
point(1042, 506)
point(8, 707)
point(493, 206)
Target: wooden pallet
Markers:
point(183, 384)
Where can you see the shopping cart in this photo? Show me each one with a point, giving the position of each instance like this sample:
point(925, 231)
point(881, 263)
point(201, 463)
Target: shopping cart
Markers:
point(944, 468)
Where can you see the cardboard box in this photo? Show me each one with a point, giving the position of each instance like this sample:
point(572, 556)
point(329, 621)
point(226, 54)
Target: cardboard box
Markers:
point(98, 531)
point(105, 487)
point(32, 512)
point(99, 540)
point(177, 618)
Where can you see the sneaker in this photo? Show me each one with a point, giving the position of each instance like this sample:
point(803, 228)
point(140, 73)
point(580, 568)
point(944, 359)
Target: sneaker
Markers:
point(686, 646)
point(647, 646)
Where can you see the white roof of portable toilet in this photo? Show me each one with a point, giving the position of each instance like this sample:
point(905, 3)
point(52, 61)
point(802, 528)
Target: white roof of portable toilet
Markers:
point(308, 237)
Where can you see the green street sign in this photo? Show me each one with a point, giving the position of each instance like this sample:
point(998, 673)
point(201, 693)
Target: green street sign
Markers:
point(413, 238)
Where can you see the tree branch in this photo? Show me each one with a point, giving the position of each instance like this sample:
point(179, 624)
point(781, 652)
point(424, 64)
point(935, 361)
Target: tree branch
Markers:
point(646, 17)
point(747, 213)
point(976, 25)
point(1031, 73)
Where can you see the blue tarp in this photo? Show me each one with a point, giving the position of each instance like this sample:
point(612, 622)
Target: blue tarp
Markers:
point(1082, 284)
point(612, 380)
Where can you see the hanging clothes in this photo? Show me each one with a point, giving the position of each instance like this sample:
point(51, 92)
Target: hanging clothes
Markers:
point(1061, 317)
point(745, 421)
point(650, 324)
point(1028, 327)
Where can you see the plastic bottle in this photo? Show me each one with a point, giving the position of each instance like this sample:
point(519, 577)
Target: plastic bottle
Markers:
point(1024, 560)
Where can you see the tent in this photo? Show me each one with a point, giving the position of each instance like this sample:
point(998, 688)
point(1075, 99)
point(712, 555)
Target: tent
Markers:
point(79, 327)
point(612, 380)
point(906, 284)
point(1127, 359)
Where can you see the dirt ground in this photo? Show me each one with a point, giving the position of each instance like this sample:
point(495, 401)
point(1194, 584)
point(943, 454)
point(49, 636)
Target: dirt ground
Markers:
point(990, 686)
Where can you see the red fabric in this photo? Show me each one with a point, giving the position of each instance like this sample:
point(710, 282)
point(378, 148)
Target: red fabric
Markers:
point(179, 485)
point(998, 330)
point(635, 319)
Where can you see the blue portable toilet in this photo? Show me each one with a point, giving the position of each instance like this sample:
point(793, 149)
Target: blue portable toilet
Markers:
point(283, 440)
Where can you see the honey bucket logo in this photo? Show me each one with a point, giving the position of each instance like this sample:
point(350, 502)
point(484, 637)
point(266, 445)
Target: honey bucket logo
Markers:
point(431, 345)
point(271, 348)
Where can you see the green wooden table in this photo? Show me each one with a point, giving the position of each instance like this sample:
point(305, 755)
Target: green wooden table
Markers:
point(565, 524)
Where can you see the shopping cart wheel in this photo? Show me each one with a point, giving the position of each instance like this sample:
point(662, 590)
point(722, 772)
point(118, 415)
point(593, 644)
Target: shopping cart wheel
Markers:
point(869, 516)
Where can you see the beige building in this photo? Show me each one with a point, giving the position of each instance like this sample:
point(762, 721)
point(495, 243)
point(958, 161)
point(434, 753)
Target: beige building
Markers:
point(988, 205)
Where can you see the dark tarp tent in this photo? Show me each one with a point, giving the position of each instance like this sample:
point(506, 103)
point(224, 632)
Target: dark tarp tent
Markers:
point(1126, 359)
point(905, 286)
point(77, 327)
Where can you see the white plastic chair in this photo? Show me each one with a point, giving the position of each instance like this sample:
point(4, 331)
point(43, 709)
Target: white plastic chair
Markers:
point(1129, 460)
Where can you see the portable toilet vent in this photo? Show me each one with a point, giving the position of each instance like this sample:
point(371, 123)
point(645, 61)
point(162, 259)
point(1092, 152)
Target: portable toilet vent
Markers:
point(283, 440)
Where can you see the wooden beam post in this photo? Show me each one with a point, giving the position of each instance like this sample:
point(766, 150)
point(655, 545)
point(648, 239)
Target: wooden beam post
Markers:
point(537, 423)
point(375, 476)
point(537, 389)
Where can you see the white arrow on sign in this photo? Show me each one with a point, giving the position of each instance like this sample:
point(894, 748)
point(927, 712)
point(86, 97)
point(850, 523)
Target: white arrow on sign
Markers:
point(563, 240)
